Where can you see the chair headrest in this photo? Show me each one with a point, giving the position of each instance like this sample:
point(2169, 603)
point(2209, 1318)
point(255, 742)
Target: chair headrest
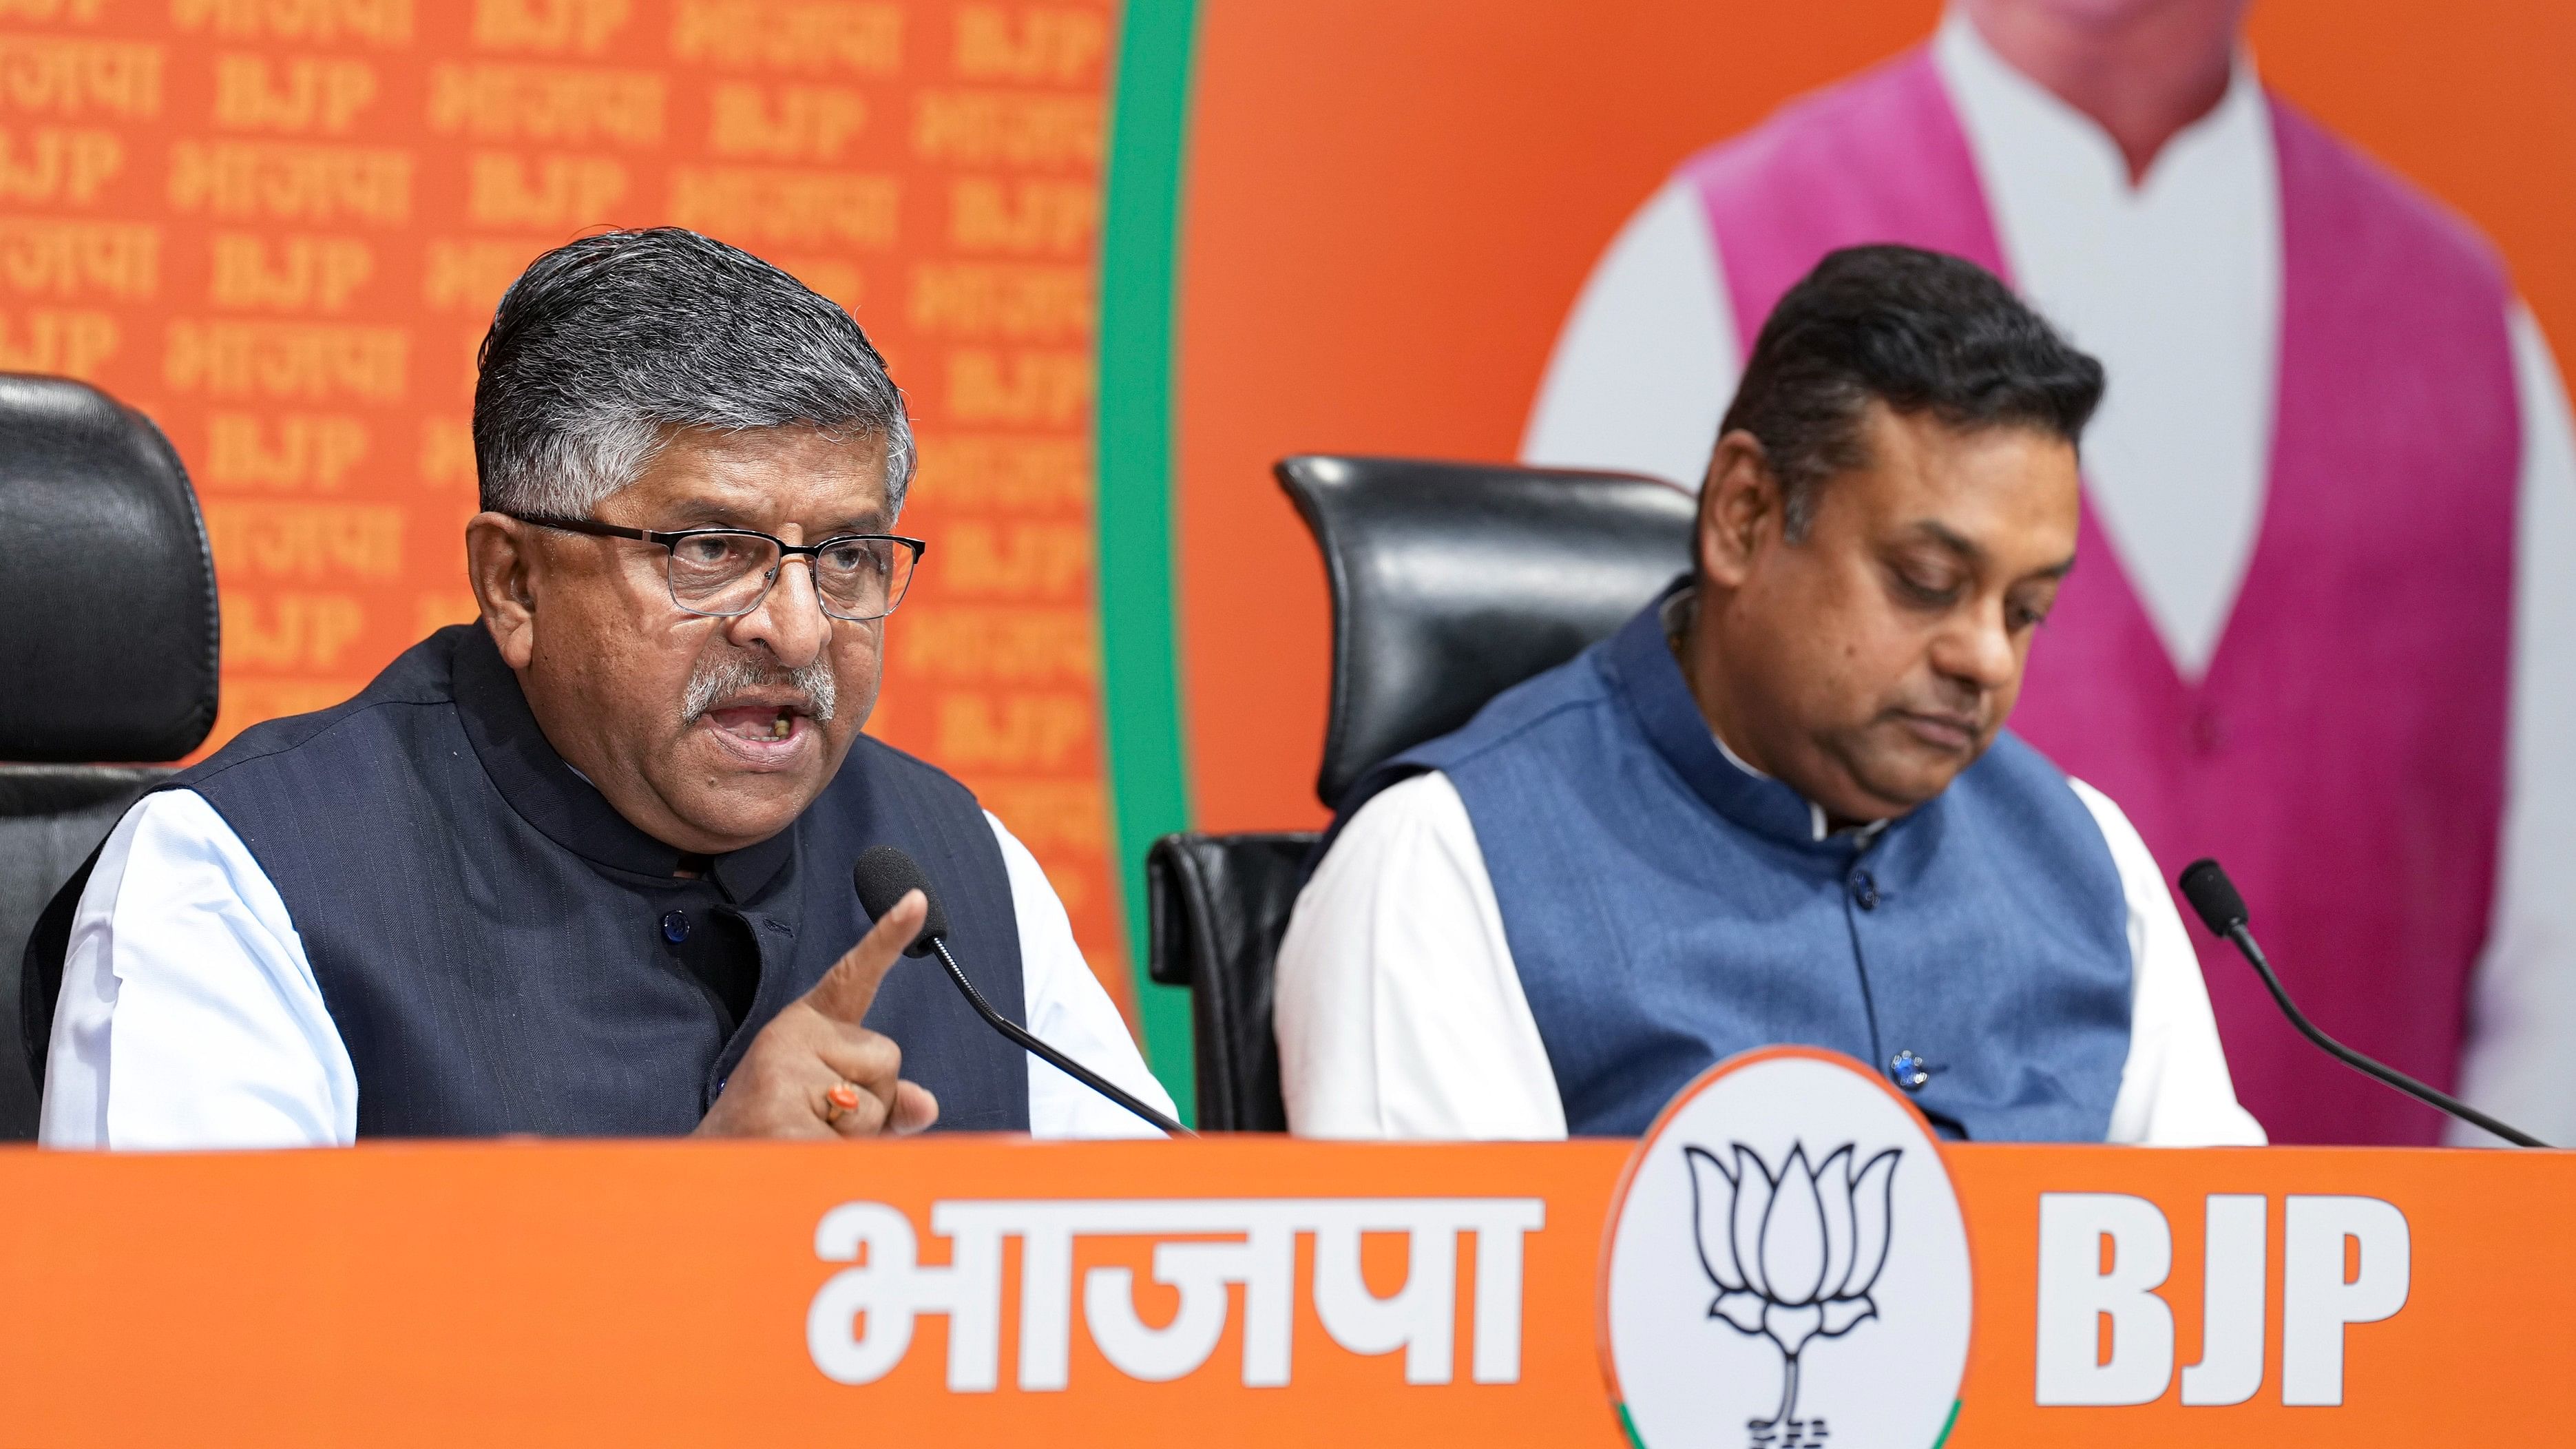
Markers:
point(1452, 582)
point(107, 590)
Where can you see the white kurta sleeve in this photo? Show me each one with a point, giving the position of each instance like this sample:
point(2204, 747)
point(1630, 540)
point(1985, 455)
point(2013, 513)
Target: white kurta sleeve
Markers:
point(1398, 1009)
point(1646, 363)
point(189, 1016)
point(2175, 1090)
point(1069, 1010)
point(2522, 1002)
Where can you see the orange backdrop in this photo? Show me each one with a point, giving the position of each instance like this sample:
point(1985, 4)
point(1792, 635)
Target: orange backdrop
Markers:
point(280, 226)
point(1390, 209)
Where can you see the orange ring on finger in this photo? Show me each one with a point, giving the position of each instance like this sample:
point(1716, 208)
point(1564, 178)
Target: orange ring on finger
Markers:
point(843, 1097)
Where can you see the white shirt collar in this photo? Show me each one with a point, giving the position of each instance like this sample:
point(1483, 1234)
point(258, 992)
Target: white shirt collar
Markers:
point(1676, 614)
point(2006, 113)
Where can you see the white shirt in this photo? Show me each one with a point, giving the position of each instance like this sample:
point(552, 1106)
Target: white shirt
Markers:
point(190, 1018)
point(2175, 285)
point(1401, 1014)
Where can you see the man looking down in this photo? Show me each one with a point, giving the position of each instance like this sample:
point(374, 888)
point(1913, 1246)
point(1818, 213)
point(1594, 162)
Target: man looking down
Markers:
point(583, 868)
point(1780, 805)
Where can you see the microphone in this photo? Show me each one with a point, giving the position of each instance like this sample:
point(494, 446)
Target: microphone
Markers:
point(2214, 897)
point(881, 875)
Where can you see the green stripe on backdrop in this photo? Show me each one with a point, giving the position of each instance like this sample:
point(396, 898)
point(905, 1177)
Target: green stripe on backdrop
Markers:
point(1139, 668)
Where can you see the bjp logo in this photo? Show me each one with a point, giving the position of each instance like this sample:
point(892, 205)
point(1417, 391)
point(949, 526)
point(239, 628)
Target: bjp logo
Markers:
point(1826, 1216)
point(1793, 1253)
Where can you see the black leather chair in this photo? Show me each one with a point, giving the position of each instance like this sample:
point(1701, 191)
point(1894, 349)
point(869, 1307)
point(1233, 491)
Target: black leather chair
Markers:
point(1450, 583)
point(1217, 906)
point(107, 650)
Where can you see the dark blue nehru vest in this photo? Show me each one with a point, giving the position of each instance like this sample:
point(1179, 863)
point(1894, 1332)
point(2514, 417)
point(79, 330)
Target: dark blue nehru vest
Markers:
point(493, 939)
point(1667, 909)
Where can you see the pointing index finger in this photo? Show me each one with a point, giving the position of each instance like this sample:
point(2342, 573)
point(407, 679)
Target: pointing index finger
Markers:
point(847, 990)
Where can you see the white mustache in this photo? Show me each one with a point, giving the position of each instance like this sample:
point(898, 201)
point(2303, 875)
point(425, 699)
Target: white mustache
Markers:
point(712, 683)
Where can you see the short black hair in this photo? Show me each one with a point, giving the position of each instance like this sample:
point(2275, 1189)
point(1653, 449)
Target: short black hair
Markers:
point(1920, 331)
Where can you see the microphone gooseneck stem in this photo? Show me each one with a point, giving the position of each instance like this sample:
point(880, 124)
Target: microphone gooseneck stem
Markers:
point(1048, 1054)
point(2244, 940)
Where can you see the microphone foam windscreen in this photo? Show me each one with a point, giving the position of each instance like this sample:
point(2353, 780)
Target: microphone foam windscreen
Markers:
point(2213, 896)
point(881, 875)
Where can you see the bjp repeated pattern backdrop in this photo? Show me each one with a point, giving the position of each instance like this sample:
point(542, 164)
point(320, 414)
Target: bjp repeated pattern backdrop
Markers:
point(279, 227)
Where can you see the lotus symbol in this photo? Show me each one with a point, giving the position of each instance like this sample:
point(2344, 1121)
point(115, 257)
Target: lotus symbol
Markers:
point(1793, 1253)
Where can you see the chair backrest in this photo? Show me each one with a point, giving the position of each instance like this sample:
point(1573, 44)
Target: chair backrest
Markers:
point(109, 588)
point(1452, 582)
point(107, 651)
point(1218, 905)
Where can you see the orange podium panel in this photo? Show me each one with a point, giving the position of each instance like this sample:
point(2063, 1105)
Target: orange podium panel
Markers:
point(1256, 1291)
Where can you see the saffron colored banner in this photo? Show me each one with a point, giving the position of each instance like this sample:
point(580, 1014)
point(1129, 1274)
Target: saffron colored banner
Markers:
point(1243, 1291)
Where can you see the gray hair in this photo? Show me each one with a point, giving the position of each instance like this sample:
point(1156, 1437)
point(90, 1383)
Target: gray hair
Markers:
point(603, 348)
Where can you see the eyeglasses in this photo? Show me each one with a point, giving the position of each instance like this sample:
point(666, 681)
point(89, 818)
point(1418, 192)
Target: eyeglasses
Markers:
point(726, 572)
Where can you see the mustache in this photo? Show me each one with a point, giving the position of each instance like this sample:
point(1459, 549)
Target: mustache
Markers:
point(715, 681)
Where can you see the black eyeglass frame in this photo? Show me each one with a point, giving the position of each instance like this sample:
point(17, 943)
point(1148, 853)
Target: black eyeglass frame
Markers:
point(671, 540)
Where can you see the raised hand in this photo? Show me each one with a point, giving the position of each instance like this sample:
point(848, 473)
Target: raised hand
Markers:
point(814, 1071)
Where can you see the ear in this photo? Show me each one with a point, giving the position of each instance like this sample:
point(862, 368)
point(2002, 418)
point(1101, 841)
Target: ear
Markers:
point(501, 563)
point(1739, 503)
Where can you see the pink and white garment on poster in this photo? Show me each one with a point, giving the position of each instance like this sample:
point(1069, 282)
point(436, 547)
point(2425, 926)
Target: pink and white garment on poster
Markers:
point(2311, 633)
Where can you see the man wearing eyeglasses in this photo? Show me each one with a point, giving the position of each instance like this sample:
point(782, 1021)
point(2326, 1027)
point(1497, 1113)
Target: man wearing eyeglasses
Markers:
point(582, 868)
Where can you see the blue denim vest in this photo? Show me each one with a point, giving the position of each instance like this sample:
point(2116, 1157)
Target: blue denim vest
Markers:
point(1667, 908)
point(488, 932)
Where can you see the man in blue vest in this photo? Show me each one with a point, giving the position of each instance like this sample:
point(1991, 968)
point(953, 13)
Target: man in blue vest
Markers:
point(583, 868)
point(1779, 805)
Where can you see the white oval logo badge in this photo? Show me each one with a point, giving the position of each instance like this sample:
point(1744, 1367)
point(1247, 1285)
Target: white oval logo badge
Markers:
point(1786, 1265)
